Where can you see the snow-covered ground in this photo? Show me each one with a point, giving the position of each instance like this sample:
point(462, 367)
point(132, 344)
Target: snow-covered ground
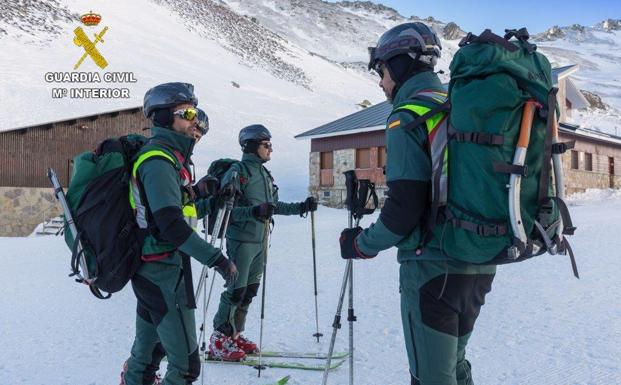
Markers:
point(539, 324)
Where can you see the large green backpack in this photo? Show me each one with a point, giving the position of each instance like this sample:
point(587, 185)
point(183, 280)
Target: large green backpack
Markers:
point(497, 183)
point(98, 198)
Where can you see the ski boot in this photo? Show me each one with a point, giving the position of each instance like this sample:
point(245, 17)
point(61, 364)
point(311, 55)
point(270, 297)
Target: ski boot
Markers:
point(245, 344)
point(222, 347)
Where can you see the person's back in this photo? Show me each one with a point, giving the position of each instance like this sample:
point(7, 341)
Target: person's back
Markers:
point(440, 297)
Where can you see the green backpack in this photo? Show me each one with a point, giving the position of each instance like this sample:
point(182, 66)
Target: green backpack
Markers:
point(497, 182)
point(98, 198)
point(216, 171)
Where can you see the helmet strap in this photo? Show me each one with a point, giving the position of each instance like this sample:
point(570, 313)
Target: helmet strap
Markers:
point(250, 147)
point(163, 117)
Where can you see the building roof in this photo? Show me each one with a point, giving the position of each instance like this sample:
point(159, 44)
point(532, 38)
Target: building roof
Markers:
point(561, 72)
point(590, 133)
point(368, 119)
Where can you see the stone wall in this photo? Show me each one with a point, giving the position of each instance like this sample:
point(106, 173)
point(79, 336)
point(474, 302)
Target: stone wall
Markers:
point(578, 180)
point(335, 195)
point(24, 208)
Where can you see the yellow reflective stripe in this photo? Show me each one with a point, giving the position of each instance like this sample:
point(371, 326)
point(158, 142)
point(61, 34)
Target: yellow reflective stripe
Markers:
point(190, 211)
point(148, 155)
point(132, 203)
point(137, 164)
point(191, 215)
point(420, 111)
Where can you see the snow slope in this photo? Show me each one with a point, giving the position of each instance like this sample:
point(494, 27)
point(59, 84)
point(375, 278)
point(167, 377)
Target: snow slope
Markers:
point(539, 324)
point(160, 47)
point(598, 53)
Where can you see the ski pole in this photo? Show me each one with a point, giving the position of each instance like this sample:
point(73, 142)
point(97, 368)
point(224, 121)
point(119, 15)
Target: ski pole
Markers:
point(351, 184)
point(84, 274)
point(266, 236)
point(315, 276)
point(213, 278)
point(223, 213)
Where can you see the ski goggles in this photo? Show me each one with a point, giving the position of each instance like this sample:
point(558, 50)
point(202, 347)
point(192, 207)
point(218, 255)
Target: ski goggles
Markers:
point(187, 113)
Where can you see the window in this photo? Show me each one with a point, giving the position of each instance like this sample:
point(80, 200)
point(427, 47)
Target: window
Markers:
point(363, 158)
point(326, 194)
point(574, 160)
point(326, 177)
point(588, 161)
point(381, 157)
point(326, 160)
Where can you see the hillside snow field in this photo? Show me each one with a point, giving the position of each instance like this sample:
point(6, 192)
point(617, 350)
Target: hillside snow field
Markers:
point(539, 324)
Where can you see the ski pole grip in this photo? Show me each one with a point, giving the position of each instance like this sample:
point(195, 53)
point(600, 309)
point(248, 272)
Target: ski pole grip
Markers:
point(527, 123)
point(351, 184)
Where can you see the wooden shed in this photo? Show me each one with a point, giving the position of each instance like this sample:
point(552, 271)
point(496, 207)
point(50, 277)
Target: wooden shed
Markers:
point(26, 153)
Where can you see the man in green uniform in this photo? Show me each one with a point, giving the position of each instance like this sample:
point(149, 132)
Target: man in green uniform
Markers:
point(160, 195)
point(440, 297)
point(246, 241)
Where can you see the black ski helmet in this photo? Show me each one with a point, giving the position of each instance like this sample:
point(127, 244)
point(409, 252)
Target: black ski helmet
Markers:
point(159, 100)
point(203, 121)
point(253, 134)
point(413, 45)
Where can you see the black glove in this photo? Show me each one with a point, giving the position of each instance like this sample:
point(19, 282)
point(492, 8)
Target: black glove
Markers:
point(309, 205)
point(226, 269)
point(264, 211)
point(206, 187)
point(349, 248)
point(228, 191)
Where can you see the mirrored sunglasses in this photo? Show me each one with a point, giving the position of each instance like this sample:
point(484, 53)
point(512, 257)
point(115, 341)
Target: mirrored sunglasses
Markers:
point(187, 113)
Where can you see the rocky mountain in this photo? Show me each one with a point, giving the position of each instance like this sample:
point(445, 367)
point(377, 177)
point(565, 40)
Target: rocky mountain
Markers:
point(28, 17)
point(597, 52)
point(339, 31)
point(278, 36)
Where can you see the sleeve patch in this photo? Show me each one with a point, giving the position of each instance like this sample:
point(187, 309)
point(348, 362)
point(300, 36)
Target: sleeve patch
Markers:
point(394, 123)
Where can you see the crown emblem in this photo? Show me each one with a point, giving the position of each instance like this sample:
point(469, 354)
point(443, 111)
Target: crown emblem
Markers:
point(90, 19)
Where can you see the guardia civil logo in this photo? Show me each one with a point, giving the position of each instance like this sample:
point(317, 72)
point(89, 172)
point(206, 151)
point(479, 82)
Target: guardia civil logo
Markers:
point(82, 40)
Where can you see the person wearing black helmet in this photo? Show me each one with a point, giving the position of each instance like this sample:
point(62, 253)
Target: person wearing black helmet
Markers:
point(202, 125)
point(440, 297)
point(245, 240)
point(161, 198)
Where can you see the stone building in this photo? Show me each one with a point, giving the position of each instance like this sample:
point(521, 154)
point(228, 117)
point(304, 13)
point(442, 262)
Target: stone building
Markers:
point(357, 142)
point(26, 196)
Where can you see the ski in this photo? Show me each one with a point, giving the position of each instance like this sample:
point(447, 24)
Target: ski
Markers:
point(279, 364)
point(319, 356)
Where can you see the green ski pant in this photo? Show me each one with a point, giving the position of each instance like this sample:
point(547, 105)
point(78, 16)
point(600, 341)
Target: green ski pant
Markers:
point(235, 300)
point(440, 302)
point(165, 326)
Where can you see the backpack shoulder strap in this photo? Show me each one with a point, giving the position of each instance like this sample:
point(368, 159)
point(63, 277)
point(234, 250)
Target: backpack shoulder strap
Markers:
point(433, 103)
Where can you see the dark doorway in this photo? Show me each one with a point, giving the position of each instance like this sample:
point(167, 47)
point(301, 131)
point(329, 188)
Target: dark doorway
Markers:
point(611, 171)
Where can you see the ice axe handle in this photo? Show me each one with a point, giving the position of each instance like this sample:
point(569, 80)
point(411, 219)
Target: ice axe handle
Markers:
point(526, 124)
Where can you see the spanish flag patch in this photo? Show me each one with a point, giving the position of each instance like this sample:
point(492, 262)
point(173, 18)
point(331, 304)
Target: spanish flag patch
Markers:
point(394, 123)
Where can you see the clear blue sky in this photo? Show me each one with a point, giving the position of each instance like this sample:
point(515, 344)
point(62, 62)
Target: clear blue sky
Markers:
point(535, 15)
